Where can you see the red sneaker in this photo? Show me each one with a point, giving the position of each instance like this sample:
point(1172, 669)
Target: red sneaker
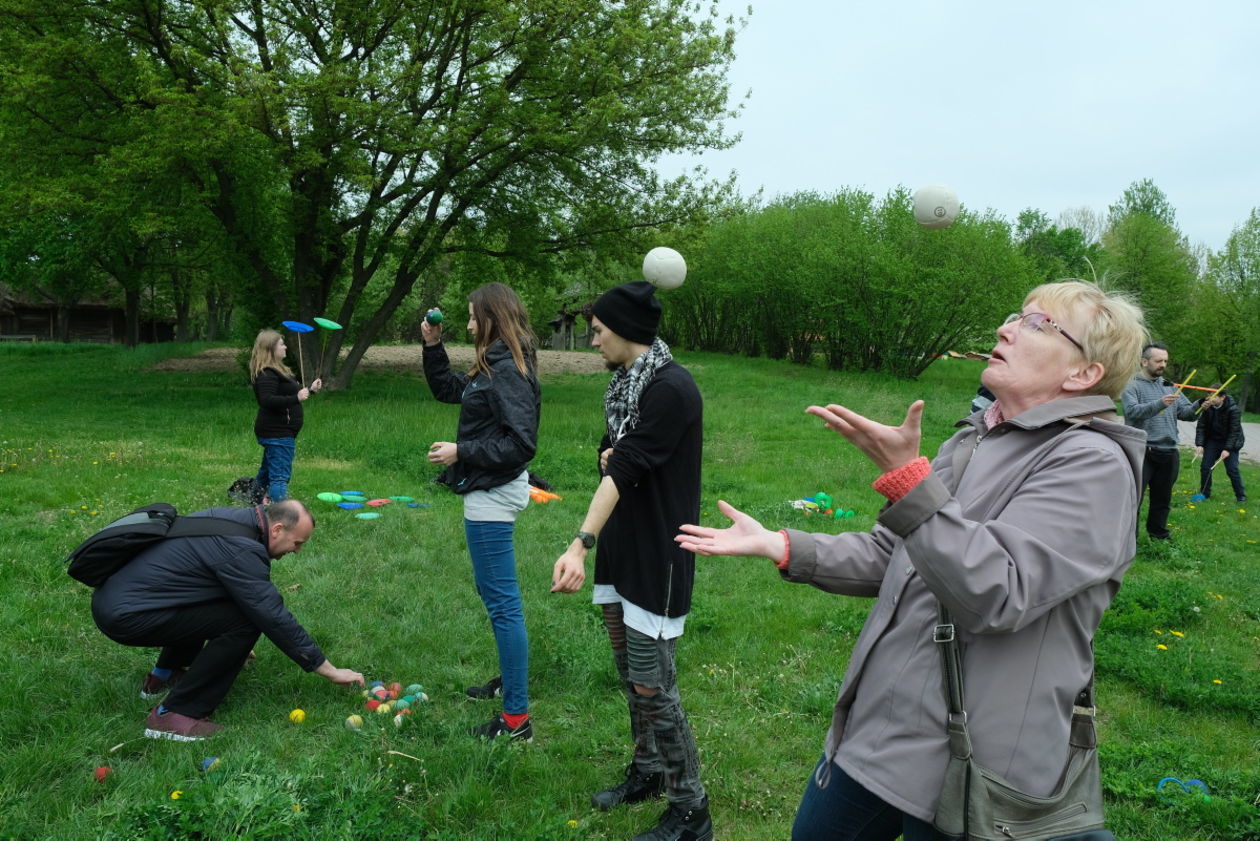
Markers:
point(153, 687)
point(179, 728)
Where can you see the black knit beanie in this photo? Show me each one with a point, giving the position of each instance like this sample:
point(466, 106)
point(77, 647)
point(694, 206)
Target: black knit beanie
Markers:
point(631, 311)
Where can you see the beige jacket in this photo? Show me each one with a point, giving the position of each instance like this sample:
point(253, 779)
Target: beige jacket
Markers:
point(1026, 553)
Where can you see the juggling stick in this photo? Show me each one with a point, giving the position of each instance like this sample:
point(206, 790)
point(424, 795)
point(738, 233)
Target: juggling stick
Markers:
point(1201, 495)
point(327, 324)
point(1203, 405)
point(300, 328)
point(1181, 386)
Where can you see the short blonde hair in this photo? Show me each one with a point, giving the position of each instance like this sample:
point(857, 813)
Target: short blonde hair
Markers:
point(1113, 327)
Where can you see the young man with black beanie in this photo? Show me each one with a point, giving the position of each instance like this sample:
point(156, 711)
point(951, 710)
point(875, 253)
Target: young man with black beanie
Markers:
point(649, 463)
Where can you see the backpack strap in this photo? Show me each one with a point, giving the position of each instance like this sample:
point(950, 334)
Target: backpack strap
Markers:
point(211, 527)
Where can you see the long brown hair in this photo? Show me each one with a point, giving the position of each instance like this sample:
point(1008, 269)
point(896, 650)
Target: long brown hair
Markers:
point(501, 315)
point(264, 355)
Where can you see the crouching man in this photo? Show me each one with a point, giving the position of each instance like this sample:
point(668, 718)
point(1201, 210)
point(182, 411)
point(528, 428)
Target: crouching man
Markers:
point(205, 601)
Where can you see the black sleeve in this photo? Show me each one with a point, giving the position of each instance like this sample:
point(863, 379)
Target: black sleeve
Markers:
point(267, 390)
point(1235, 440)
point(447, 387)
point(247, 578)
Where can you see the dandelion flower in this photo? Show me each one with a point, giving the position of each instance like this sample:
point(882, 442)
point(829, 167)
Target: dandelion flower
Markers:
point(1217, 682)
point(1177, 633)
point(574, 824)
point(1162, 647)
point(1158, 631)
point(297, 807)
point(176, 794)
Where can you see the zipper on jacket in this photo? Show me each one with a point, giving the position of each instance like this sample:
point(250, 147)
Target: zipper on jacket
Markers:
point(669, 588)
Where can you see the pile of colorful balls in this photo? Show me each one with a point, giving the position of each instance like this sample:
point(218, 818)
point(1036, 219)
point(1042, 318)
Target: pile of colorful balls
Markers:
point(389, 699)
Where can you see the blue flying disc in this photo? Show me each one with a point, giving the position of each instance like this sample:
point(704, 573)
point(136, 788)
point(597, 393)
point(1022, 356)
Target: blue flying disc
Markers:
point(349, 505)
point(352, 493)
point(298, 327)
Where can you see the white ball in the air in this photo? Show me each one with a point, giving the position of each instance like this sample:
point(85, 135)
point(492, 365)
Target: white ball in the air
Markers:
point(664, 268)
point(935, 206)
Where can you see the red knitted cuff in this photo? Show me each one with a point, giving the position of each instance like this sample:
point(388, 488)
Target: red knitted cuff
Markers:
point(897, 483)
point(787, 551)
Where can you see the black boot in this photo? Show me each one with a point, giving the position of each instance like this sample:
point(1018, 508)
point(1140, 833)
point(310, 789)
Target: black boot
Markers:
point(636, 787)
point(682, 824)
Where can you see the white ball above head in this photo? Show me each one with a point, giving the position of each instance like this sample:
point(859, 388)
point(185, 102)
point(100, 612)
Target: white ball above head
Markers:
point(664, 268)
point(935, 206)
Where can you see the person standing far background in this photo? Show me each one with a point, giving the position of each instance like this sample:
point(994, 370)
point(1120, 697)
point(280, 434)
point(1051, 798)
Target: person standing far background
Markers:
point(1219, 436)
point(1153, 404)
point(279, 420)
point(499, 403)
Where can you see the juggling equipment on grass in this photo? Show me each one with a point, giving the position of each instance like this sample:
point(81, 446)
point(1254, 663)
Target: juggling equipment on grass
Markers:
point(821, 503)
point(356, 500)
point(390, 701)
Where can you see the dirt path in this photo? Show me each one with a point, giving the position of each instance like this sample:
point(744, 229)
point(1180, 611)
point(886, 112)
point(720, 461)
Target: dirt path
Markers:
point(400, 358)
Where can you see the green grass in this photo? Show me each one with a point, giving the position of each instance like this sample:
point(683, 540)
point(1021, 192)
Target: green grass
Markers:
point(90, 432)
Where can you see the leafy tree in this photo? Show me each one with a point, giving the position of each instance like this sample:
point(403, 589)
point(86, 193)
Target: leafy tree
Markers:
point(1227, 312)
point(1146, 254)
point(1086, 220)
point(1055, 253)
point(340, 143)
point(1145, 198)
point(852, 279)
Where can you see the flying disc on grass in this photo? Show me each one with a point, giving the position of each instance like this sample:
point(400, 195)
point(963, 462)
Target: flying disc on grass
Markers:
point(349, 506)
point(368, 515)
point(328, 496)
point(403, 498)
point(377, 503)
point(327, 323)
point(298, 327)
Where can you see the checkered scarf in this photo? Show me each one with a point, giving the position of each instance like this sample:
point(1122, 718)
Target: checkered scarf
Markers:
point(621, 401)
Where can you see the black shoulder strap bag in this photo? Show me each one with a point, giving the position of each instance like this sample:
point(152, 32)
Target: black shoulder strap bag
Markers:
point(977, 804)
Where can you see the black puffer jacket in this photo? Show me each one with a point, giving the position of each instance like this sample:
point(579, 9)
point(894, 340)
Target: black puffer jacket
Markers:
point(498, 417)
point(1222, 425)
point(189, 571)
point(279, 410)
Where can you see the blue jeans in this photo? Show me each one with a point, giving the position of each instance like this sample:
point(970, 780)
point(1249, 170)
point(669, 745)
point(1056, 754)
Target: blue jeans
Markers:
point(494, 572)
point(276, 468)
point(845, 811)
point(1211, 452)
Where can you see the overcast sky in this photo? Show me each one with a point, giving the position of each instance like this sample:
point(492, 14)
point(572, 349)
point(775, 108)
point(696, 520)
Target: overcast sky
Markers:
point(1014, 104)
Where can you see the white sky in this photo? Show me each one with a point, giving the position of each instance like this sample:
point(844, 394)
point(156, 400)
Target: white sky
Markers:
point(1014, 104)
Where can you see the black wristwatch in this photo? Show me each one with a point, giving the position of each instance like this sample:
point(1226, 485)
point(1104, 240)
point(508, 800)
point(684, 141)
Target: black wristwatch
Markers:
point(588, 539)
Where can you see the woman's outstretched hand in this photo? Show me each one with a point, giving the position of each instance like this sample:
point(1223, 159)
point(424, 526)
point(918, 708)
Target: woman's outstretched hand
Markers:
point(744, 536)
point(889, 447)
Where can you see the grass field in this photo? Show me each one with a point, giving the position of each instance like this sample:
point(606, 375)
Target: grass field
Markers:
point(89, 432)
